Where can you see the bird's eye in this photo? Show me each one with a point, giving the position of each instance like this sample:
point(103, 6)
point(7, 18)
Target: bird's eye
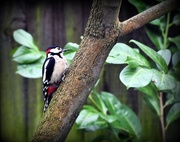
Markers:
point(58, 48)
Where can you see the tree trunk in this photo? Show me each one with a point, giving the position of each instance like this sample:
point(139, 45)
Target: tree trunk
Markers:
point(102, 30)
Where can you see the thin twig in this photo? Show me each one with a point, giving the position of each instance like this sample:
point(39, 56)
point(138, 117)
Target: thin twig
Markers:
point(162, 117)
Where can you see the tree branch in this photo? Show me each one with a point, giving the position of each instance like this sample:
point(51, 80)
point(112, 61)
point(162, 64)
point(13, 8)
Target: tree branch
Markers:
point(146, 16)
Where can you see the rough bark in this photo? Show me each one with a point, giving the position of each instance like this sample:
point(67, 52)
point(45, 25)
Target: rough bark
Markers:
point(102, 30)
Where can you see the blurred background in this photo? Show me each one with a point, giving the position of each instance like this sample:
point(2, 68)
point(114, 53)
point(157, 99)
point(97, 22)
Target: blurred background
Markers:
point(56, 23)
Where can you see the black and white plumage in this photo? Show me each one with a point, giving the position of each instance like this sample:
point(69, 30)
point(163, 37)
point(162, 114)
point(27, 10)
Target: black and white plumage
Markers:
point(53, 72)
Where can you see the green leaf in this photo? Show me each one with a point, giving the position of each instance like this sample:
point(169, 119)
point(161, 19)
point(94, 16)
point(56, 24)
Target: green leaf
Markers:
point(139, 4)
point(20, 51)
point(176, 71)
point(88, 120)
point(90, 108)
point(69, 56)
point(25, 55)
point(132, 63)
point(176, 20)
point(170, 99)
point(135, 77)
point(175, 40)
point(116, 56)
point(149, 90)
point(24, 38)
point(176, 91)
point(127, 121)
point(126, 118)
point(43, 54)
point(173, 114)
point(157, 22)
point(163, 81)
point(166, 54)
point(108, 118)
point(150, 96)
point(72, 47)
point(71, 51)
point(111, 102)
point(113, 60)
point(174, 96)
point(122, 53)
point(153, 55)
point(98, 102)
point(155, 38)
point(33, 70)
point(116, 116)
point(134, 58)
point(87, 116)
point(176, 58)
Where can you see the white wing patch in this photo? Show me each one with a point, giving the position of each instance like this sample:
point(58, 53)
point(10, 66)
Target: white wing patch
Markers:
point(44, 75)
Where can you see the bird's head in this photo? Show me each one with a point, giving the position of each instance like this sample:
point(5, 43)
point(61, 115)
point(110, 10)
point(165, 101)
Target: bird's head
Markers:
point(54, 50)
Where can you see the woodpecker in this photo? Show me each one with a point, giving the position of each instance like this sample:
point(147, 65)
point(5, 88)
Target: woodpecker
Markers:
point(53, 72)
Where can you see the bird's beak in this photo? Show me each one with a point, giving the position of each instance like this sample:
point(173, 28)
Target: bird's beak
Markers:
point(64, 50)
